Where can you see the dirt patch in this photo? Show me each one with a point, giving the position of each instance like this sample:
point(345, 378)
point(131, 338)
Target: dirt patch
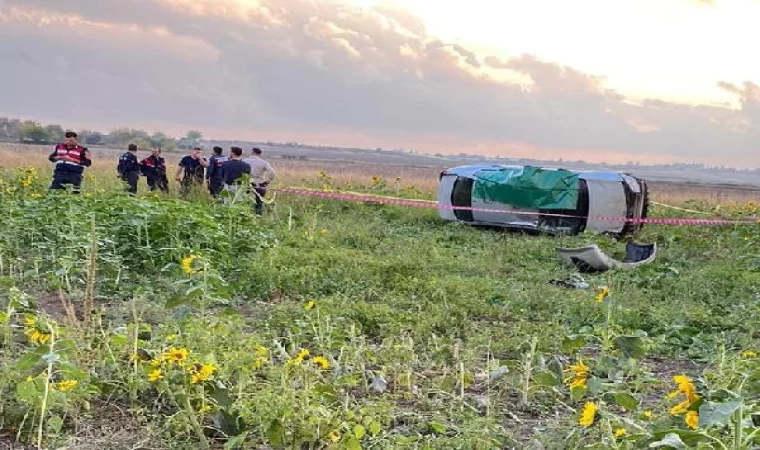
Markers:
point(113, 428)
point(51, 304)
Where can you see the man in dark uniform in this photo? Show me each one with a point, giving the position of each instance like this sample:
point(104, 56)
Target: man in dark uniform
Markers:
point(191, 170)
point(234, 169)
point(129, 169)
point(154, 169)
point(163, 181)
point(70, 160)
point(214, 172)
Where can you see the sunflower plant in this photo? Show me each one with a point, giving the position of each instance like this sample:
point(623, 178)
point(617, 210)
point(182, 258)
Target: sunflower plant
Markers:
point(201, 285)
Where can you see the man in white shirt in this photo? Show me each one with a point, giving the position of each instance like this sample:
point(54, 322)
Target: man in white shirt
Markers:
point(262, 174)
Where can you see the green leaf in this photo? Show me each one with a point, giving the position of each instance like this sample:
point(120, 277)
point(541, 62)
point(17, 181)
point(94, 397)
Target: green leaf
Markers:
point(55, 423)
point(631, 346)
point(236, 441)
point(28, 361)
point(688, 437)
point(626, 401)
point(276, 434)
point(26, 391)
point(670, 440)
point(375, 428)
point(548, 379)
point(577, 392)
point(556, 367)
point(714, 414)
point(573, 343)
point(437, 428)
point(118, 340)
point(595, 385)
point(176, 300)
point(359, 431)
point(351, 443)
point(194, 292)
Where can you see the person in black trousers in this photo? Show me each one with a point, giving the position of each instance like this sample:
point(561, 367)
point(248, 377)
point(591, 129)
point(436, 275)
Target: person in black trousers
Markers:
point(129, 169)
point(154, 169)
point(214, 172)
point(70, 161)
point(234, 170)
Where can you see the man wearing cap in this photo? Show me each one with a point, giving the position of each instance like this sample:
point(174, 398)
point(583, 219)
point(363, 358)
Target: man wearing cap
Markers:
point(129, 169)
point(70, 160)
point(192, 166)
point(262, 174)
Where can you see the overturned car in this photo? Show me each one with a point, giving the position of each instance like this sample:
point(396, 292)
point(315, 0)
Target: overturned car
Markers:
point(550, 200)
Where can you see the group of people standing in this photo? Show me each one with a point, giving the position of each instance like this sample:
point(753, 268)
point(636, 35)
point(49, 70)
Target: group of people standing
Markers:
point(219, 173)
point(153, 168)
point(222, 172)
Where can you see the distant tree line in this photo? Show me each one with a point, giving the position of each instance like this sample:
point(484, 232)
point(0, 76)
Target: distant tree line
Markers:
point(33, 132)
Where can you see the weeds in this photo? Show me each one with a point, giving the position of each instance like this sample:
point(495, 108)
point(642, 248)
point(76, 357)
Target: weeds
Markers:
point(334, 325)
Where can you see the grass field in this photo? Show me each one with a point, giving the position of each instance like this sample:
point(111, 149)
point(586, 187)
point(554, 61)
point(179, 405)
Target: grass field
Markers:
point(154, 322)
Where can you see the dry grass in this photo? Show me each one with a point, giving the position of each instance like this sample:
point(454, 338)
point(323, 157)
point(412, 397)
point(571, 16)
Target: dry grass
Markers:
point(424, 179)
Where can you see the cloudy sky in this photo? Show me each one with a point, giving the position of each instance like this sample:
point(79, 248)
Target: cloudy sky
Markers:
point(644, 80)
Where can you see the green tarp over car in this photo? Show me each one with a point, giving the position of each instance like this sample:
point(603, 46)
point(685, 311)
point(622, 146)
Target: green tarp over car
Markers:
point(528, 187)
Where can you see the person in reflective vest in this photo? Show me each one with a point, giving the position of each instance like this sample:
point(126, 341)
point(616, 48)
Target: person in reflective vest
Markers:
point(70, 161)
point(214, 172)
point(129, 169)
point(154, 169)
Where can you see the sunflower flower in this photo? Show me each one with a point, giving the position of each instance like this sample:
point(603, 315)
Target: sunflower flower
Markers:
point(620, 432)
point(580, 375)
point(602, 294)
point(155, 376)
point(176, 355)
point(749, 354)
point(692, 420)
point(187, 263)
point(262, 357)
point(588, 416)
point(680, 408)
point(334, 436)
point(37, 337)
point(203, 374)
point(66, 385)
point(686, 388)
point(321, 362)
point(299, 358)
point(311, 304)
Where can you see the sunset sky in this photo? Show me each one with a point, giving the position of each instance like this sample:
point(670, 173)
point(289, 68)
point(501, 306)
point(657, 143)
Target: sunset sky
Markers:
point(643, 80)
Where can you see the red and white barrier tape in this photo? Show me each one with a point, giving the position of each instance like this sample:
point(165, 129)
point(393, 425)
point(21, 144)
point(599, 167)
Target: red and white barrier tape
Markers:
point(433, 204)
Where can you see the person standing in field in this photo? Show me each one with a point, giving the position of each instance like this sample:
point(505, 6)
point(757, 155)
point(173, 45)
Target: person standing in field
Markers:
point(70, 161)
point(234, 169)
point(163, 182)
point(129, 169)
point(214, 172)
point(154, 169)
point(191, 171)
point(262, 174)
